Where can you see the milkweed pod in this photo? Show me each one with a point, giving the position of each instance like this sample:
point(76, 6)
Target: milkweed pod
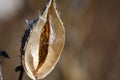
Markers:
point(42, 47)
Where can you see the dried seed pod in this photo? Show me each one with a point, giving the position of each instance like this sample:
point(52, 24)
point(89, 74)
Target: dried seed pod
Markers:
point(42, 43)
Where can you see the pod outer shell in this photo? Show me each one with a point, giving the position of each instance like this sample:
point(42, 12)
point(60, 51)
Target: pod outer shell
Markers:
point(56, 44)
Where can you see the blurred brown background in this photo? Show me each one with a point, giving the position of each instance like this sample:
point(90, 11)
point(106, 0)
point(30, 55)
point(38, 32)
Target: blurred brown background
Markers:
point(92, 48)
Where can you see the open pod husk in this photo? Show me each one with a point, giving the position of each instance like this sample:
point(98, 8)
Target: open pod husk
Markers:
point(45, 42)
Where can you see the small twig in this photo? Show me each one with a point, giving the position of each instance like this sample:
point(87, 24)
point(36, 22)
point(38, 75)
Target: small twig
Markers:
point(20, 68)
point(21, 75)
